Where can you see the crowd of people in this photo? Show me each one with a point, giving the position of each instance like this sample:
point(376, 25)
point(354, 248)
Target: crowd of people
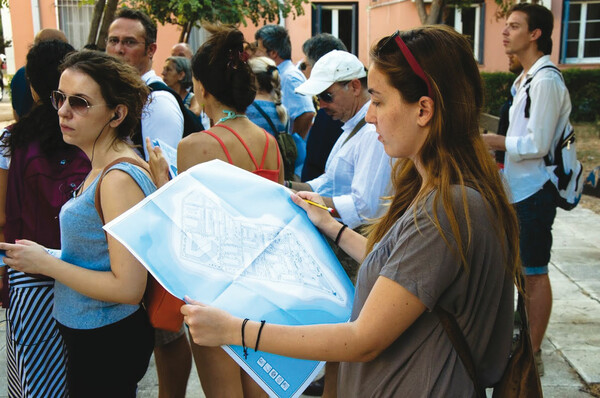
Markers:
point(421, 217)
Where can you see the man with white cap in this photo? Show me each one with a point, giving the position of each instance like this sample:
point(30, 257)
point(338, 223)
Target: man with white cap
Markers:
point(357, 173)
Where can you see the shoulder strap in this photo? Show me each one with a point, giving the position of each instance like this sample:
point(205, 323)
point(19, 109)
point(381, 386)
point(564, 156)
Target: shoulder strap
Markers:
point(528, 84)
point(264, 114)
point(358, 126)
point(220, 141)
point(460, 345)
point(133, 161)
point(232, 131)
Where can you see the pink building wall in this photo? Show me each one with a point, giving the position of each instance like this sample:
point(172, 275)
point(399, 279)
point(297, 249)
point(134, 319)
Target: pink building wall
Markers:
point(375, 20)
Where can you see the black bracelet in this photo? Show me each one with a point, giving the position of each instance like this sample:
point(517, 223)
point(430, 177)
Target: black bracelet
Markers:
point(339, 235)
point(244, 348)
point(262, 323)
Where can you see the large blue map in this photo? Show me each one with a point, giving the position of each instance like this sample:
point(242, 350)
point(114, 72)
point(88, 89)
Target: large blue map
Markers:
point(234, 240)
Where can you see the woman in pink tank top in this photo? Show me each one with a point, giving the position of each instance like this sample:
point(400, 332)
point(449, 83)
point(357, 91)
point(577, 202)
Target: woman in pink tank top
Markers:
point(224, 85)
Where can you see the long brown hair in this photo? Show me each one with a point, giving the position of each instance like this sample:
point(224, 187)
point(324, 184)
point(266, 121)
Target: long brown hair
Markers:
point(453, 153)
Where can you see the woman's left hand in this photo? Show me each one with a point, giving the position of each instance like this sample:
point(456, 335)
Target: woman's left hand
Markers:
point(208, 326)
point(26, 256)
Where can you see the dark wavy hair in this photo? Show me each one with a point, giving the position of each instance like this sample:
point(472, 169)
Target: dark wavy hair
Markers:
point(41, 122)
point(220, 64)
point(120, 84)
point(538, 17)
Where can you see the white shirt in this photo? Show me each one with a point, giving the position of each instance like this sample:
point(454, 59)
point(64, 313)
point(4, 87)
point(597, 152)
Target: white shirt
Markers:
point(357, 173)
point(161, 117)
point(296, 104)
point(529, 140)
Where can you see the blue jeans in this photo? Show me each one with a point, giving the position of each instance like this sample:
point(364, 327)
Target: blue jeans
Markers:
point(536, 215)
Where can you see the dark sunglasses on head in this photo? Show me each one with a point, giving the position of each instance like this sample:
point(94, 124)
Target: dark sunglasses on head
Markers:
point(77, 104)
point(410, 58)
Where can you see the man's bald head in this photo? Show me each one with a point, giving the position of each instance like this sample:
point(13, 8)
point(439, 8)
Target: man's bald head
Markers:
point(181, 50)
point(50, 34)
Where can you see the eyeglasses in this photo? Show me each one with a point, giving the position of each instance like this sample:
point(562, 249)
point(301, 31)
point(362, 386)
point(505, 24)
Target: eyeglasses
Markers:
point(410, 58)
point(326, 96)
point(129, 43)
point(78, 104)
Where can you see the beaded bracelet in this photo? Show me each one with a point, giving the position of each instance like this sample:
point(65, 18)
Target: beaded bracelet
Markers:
point(244, 348)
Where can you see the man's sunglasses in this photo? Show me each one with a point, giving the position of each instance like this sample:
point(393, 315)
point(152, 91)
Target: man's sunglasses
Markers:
point(326, 96)
point(410, 58)
point(78, 104)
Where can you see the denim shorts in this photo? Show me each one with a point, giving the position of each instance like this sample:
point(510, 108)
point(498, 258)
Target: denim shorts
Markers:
point(536, 216)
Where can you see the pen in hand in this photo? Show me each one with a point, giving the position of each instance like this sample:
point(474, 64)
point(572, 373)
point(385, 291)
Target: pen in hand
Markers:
point(320, 206)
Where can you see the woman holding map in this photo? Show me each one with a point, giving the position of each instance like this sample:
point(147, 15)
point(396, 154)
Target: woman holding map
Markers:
point(99, 284)
point(225, 86)
point(448, 240)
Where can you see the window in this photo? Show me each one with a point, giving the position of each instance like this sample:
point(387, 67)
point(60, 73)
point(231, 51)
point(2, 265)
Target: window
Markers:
point(581, 32)
point(75, 19)
point(339, 19)
point(467, 21)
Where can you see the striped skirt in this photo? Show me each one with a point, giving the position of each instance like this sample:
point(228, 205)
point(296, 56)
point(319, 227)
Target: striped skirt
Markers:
point(36, 353)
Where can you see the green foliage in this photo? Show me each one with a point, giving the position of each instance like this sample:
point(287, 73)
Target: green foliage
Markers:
point(583, 85)
point(496, 88)
point(584, 88)
point(185, 12)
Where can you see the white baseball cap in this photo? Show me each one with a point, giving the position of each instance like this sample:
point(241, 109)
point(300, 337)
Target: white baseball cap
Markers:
point(335, 66)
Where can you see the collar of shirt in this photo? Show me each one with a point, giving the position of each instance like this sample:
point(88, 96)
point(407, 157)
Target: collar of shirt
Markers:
point(542, 61)
point(151, 77)
point(350, 124)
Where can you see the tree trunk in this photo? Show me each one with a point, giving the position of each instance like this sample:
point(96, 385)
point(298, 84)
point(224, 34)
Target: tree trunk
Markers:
point(435, 11)
point(96, 17)
point(421, 10)
point(109, 14)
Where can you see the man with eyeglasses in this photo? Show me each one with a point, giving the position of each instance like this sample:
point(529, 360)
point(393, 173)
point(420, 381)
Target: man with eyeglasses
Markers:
point(132, 37)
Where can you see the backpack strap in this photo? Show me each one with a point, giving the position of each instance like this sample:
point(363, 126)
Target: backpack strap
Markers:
point(97, 196)
point(459, 342)
point(528, 84)
point(268, 119)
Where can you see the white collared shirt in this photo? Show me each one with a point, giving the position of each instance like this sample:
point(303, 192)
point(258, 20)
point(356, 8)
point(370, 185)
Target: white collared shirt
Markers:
point(357, 173)
point(161, 117)
point(529, 140)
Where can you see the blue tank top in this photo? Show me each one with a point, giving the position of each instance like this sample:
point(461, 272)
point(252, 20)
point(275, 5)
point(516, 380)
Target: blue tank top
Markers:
point(84, 244)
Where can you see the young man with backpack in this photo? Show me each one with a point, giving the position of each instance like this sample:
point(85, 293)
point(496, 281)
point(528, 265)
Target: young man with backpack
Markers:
point(538, 116)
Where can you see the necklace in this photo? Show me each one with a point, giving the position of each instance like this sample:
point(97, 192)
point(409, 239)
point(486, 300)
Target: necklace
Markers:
point(229, 115)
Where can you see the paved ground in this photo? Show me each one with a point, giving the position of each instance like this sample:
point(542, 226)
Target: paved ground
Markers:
point(571, 350)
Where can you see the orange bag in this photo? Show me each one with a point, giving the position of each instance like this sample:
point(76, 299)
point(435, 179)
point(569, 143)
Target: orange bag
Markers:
point(162, 307)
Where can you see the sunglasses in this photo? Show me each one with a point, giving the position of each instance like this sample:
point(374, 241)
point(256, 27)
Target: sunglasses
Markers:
point(410, 58)
point(78, 104)
point(326, 96)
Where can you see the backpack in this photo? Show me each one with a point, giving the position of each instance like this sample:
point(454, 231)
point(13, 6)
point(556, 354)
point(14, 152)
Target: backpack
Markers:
point(191, 122)
point(566, 172)
point(287, 145)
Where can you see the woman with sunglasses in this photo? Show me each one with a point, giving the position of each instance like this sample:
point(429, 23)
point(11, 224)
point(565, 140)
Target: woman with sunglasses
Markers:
point(448, 240)
point(40, 177)
point(99, 284)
